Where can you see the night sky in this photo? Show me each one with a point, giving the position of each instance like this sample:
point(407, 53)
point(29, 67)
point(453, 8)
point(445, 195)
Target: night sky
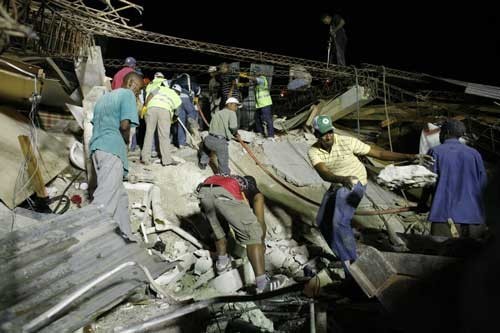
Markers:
point(455, 40)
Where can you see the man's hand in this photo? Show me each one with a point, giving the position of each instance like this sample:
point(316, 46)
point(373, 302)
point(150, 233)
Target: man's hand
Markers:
point(237, 136)
point(243, 74)
point(350, 181)
point(423, 159)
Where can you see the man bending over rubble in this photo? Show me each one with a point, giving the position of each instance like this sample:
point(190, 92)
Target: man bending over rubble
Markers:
point(114, 114)
point(334, 158)
point(231, 198)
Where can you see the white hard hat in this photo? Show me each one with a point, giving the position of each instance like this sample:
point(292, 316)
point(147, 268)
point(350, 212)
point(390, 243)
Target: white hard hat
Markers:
point(158, 74)
point(212, 69)
point(233, 100)
point(177, 88)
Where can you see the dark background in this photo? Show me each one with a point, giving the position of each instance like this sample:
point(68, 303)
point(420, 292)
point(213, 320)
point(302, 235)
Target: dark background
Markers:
point(458, 41)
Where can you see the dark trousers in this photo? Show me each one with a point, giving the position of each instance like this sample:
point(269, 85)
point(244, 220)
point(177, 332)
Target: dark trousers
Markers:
point(442, 229)
point(264, 115)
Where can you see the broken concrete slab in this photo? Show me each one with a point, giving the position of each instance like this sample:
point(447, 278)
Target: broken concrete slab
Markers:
point(290, 161)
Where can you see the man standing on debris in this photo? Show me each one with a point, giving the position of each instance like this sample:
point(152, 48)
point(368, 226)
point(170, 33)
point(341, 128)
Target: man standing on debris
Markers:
point(114, 114)
point(337, 37)
point(334, 158)
point(119, 76)
point(228, 85)
point(230, 199)
point(161, 105)
point(213, 88)
point(223, 127)
point(457, 206)
point(263, 103)
point(188, 115)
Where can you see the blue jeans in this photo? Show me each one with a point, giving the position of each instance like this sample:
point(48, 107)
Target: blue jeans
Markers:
point(334, 219)
point(264, 115)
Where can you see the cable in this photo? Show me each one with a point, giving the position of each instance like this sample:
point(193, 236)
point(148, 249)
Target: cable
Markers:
point(386, 111)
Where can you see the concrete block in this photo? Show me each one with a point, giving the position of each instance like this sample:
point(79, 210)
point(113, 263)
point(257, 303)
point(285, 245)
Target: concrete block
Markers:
point(227, 283)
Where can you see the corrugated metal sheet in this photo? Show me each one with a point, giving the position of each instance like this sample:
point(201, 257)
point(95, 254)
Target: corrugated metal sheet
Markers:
point(474, 88)
point(42, 265)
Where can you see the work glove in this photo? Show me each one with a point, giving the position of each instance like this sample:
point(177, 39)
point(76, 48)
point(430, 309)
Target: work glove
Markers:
point(143, 112)
point(424, 160)
point(177, 112)
point(244, 75)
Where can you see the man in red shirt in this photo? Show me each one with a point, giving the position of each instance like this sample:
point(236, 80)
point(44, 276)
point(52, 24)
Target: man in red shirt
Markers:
point(118, 78)
point(230, 199)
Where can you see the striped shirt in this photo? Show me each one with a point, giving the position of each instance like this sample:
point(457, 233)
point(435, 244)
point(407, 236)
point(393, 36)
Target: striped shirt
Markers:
point(341, 160)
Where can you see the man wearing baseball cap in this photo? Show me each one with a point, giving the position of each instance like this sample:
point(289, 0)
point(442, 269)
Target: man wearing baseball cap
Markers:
point(335, 158)
point(223, 127)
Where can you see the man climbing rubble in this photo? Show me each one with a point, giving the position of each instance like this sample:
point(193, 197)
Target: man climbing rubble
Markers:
point(114, 114)
point(335, 159)
point(230, 199)
point(223, 127)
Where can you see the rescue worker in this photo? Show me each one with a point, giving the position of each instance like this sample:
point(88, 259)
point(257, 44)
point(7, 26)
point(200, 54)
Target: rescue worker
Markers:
point(161, 104)
point(189, 116)
point(114, 114)
point(229, 200)
point(263, 103)
point(334, 157)
point(457, 205)
point(213, 88)
point(129, 64)
point(223, 127)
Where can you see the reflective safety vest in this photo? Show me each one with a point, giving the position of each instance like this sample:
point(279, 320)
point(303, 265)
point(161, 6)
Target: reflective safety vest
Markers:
point(165, 98)
point(262, 96)
point(153, 85)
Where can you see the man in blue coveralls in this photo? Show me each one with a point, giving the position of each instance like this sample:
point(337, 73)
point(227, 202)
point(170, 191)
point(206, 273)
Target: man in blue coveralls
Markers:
point(457, 207)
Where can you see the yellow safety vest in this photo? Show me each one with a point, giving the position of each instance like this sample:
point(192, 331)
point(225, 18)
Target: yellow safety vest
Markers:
point(262, 96)
point(165, 98)
point(154, 85)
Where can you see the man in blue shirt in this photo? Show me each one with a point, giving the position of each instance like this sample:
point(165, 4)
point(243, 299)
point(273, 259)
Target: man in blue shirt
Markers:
point(457, 206)
point(114, 114)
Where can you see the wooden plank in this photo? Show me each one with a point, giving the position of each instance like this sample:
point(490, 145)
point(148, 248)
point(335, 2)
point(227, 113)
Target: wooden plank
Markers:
point(33, 168)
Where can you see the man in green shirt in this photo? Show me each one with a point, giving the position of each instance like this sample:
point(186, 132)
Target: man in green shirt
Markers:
point(223, 127)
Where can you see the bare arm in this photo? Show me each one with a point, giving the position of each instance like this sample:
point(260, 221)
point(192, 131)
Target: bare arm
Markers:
point(258, 209)
point(329, 176)
point(386, 155)
point(125, 130)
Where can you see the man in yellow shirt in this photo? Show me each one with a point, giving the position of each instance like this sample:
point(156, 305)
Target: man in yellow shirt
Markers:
point(335, 159)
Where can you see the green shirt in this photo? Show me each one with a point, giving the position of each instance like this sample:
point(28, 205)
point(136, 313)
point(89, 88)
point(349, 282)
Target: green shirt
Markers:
point(223, 123)
point(109, 111)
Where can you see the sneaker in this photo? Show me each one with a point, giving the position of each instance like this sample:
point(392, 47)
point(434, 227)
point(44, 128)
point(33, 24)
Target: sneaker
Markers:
point(222, 268)
point(274, 283)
